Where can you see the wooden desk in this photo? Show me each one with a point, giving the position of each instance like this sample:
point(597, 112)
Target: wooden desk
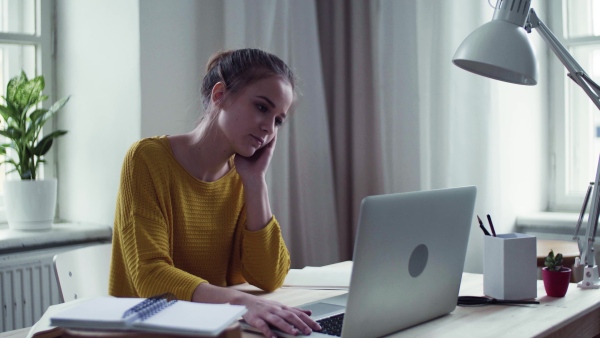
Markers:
point(577, 314)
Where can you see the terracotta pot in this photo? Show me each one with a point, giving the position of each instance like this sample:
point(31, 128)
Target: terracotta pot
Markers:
point(556, 283)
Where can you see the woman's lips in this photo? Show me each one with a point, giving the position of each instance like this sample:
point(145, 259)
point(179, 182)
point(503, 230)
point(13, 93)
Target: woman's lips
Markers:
point(258, 140)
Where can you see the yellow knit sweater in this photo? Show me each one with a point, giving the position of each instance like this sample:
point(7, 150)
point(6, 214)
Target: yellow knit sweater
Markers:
point(173, 231)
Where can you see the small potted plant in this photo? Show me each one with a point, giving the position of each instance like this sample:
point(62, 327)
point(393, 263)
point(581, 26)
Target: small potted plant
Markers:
point(30, 201)
point(556, 277)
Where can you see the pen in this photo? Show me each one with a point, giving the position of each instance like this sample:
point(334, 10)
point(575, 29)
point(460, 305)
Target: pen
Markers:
point(491, 225)
point(482, 227)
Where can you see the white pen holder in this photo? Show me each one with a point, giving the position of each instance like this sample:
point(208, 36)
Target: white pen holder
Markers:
point(509, 266)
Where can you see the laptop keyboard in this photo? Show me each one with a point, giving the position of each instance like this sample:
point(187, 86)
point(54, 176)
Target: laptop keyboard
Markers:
point(332, 325)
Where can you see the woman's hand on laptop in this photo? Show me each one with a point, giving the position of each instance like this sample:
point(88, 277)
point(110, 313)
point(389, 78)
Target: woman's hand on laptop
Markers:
point(265, 314)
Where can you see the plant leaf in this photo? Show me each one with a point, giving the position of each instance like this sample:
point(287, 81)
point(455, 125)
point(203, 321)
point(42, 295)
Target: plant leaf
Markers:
point(28, 93)
point(54, 109)
point(41, 98)
point(13, 84)
point(30, 133)
point(37, 114)
point(8, 112)
point(16, 112)
point(12, 133)
point(59, 104)
point(14, 164)
point(44, 145)
point(558, 259)
point(8, 145)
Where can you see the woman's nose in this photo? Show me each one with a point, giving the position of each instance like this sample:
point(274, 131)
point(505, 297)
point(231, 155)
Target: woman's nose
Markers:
point(268, 125)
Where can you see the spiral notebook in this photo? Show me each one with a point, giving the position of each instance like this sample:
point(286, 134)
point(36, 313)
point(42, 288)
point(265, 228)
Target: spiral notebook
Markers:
point(160, 314)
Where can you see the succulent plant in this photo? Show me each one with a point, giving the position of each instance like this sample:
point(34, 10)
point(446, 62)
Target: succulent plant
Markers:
point(552, 262)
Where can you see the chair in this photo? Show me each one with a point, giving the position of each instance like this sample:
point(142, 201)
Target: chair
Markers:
point(83, 272)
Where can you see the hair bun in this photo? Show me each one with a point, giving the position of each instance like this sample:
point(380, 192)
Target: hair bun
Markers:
point(214, 60)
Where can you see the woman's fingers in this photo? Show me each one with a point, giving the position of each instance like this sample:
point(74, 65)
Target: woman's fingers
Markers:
point(266, 316)
point(263, 327)
point(294, 320)
point(281, 322)
point(289, 320)
point(304, 315)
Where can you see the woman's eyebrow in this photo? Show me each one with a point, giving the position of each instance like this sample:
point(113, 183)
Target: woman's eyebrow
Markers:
point(268, 101)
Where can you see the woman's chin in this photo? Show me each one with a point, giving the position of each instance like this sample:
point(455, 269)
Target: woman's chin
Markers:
point(246, 152)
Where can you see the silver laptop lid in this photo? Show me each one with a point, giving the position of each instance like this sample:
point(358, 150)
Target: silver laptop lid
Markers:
point(408, 259)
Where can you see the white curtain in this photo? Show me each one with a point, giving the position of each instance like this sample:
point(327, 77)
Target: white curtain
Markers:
point(383, 110)
point(301, 176)
point(444, 127)
point(437, 116)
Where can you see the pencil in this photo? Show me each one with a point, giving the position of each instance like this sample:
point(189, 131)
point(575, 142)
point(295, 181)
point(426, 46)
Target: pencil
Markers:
point(491, 225)
point(485, 232)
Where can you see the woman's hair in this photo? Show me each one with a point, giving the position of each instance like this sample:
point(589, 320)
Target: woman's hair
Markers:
point(240, 68)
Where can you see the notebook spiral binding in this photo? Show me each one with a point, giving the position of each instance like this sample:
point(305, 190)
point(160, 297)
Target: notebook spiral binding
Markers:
point(150, 306)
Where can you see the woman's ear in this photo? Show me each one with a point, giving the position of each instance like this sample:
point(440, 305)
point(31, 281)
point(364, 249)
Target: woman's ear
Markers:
point(218, 93)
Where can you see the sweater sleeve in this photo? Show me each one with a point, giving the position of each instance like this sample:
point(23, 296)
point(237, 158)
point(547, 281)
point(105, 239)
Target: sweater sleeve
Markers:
point(145, 235)
point(265, 258)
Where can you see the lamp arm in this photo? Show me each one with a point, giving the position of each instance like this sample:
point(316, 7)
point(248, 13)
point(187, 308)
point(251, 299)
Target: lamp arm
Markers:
point(561, 52)
point(577, 74)
point(582, 214)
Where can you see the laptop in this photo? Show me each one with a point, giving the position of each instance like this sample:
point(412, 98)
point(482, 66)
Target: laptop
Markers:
point(407, 265)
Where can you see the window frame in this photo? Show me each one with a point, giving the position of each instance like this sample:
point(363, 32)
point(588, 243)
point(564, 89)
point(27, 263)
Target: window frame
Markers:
point(560, 199)
point(43, 40)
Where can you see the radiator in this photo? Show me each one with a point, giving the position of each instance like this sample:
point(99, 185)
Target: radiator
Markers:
point(27, 287)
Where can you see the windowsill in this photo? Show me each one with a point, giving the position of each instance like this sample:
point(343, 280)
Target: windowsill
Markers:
point(550, 225)
point(12, 241)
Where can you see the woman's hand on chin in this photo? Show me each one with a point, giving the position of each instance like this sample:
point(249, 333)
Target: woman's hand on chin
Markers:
point(255, 167)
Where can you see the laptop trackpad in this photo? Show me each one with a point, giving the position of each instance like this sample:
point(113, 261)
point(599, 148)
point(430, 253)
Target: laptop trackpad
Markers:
point(323, 309)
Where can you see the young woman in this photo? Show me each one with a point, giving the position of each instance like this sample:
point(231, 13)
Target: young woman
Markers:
point(193, 213)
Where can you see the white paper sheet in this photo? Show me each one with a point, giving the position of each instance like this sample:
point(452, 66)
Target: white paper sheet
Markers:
point(336, 276)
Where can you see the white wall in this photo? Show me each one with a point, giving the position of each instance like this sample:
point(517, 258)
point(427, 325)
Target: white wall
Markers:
point(132, 69)
point(177, 38)
point(97, 53)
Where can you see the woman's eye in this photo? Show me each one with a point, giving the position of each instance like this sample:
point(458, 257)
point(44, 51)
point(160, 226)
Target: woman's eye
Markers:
point(261, 108)
point(278, 122)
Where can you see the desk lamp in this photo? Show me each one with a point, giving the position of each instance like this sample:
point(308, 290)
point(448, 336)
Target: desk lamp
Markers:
point(501, 50)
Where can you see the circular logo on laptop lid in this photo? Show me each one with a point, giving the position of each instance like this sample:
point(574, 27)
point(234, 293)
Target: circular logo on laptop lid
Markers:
point(418, 260)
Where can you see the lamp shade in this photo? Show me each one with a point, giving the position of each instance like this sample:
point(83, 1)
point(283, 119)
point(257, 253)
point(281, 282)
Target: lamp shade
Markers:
point(499, 50)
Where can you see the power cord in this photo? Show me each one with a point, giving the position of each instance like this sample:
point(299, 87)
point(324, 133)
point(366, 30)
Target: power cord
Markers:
point(480, 301)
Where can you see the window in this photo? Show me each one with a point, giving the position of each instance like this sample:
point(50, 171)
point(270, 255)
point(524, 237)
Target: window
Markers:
point(576, 125)
point(25, 44)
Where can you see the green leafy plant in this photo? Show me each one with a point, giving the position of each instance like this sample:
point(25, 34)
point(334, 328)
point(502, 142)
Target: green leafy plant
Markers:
point(22, 124)
point(552, 262)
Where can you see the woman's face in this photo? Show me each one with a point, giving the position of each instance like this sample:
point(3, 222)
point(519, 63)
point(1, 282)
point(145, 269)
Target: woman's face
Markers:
point(250, 119)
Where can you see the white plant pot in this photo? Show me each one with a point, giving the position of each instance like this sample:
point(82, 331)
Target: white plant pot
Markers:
point(30, 205)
